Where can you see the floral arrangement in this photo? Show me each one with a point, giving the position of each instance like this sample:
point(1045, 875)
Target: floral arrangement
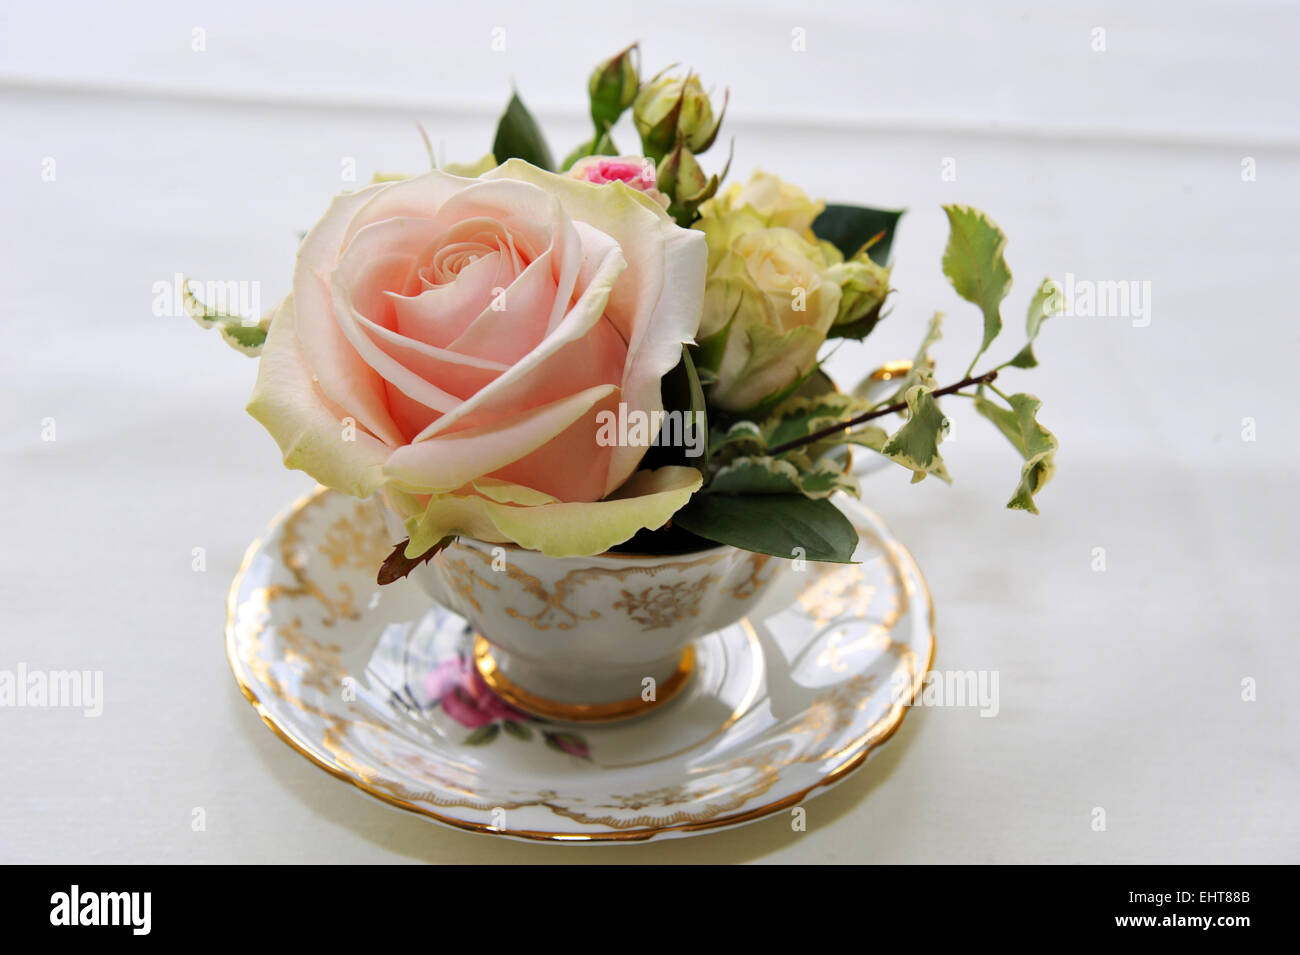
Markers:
point(615, 352)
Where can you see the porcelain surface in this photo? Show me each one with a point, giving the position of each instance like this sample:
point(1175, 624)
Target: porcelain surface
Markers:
point(378, 688)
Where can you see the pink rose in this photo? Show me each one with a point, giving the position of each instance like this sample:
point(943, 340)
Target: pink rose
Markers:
point(458, 686)
point(635, 171)
point(453, 341)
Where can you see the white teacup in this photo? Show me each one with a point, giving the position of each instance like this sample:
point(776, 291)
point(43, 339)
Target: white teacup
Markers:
point(592, 638)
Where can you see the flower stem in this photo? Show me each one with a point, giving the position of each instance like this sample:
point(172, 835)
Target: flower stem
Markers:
point(833, 429)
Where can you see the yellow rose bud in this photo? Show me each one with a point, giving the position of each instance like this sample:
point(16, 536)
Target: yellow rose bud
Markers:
point(863, 287)
point(669, 107)
point(777, 202)
point(771, 295)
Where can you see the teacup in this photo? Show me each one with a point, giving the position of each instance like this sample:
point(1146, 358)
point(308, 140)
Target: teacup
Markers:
point(592, 638)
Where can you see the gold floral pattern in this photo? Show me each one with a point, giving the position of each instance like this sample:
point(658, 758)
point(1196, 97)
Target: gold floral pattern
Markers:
point(848, 590)
point(356, 540)
point(749, 586)
point(556, 609)
point(462, 579)
point(663, 605)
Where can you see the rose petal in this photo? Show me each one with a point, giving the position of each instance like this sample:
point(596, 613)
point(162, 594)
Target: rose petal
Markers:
point(447, 462)
point(550, 468)
point(581, 529)
point(513, 325)
point(545, 374)
point(297, 414)
point(661, 289)
point(339, 370)
point(438, 314)
point(648, 500)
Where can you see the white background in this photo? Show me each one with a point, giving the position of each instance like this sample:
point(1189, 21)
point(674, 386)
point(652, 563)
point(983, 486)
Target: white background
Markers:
point(1120, 689)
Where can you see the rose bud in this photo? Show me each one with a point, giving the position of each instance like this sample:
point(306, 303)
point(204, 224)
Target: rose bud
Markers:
point(672, 107)
point(635, 171)
point(685, 183)
point(863, 287)
point(613, 87)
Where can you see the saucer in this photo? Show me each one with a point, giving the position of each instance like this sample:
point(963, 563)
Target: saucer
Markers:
point(378, 687)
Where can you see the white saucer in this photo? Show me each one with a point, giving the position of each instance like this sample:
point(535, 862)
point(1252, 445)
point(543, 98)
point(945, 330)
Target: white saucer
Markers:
point(378, 688)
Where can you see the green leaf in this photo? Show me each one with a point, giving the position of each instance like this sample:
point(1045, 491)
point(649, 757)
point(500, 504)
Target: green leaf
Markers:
point(743, 437)
point(1047, 301)
point(483, 735)
point(916, 444)
point(757, 475)
point(682, 393)
point(822, 479)
point(792, 473)
point(782, 525)
point(1036, 444)
point(695, 393)
point(799, 416)
point(518, 730)
point(974, 264)
point(851, 228)
point(518, 137)
point(868, 436)
point(244, 336)
point(248, 339)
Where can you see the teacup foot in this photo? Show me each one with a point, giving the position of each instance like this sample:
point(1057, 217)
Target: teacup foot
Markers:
point(665, 691)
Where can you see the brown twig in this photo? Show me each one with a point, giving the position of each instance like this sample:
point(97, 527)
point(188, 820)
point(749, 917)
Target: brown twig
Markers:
point(830, 430)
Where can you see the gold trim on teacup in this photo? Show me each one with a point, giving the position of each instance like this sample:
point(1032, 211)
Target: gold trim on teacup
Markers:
point(517, 696)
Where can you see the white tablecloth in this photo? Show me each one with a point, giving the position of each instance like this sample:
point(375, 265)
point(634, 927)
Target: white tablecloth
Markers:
point(1120, 689)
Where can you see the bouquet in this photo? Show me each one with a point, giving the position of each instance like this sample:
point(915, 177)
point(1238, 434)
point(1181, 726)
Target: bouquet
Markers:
point(616, 352)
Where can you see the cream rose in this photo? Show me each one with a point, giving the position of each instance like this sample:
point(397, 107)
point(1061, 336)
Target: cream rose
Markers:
point(453, 340)
point(771, 297)
point(775, 201)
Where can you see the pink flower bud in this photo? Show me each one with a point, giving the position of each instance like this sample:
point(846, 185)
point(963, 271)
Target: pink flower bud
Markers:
point(635, 171)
